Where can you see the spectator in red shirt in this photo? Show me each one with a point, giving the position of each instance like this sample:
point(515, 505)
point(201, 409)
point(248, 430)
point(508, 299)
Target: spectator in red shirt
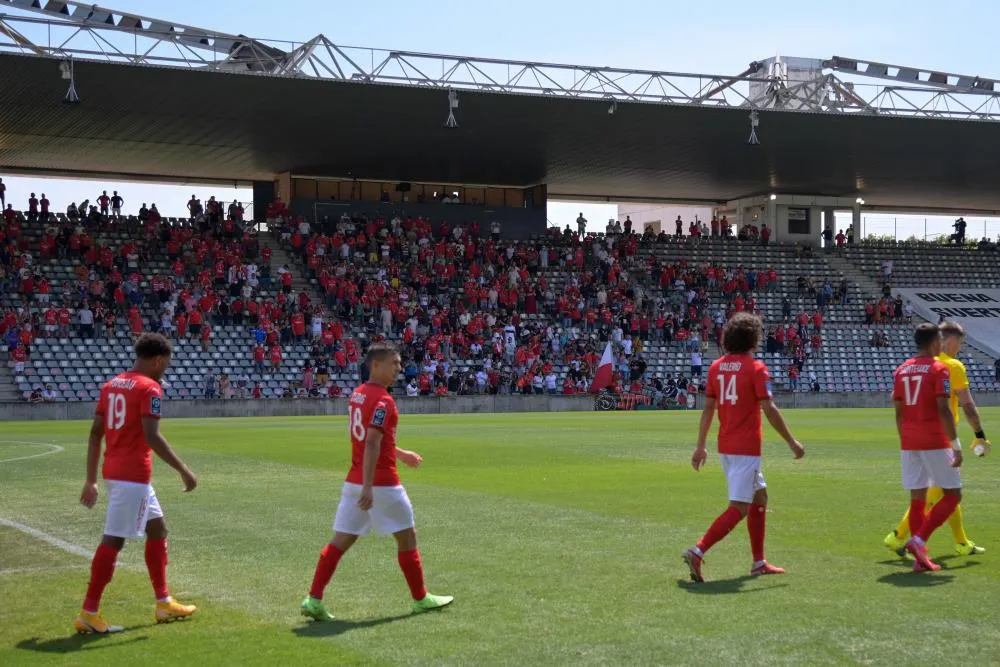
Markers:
point(276, 357)
point(258, 358)
point(206, 337)
point(194, 322)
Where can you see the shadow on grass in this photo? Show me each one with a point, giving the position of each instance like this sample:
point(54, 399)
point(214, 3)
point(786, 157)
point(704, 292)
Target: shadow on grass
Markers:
point(725, 586)
point(907, 578)
point(911, 579)
point(340, 626)
point(74, 643)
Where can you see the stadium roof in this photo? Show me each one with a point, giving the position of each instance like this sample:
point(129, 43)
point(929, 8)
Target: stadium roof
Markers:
point(254, 112)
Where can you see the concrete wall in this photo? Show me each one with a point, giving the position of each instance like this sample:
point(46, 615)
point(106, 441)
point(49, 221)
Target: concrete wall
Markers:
point(421, 406)
point(306, 408)
point(518, 223)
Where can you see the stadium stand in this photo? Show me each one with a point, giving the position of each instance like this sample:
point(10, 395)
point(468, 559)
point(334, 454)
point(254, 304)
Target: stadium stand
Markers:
point(287, 311)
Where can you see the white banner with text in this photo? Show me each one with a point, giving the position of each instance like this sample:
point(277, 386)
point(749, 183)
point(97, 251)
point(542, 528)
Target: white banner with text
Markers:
point(978, 310)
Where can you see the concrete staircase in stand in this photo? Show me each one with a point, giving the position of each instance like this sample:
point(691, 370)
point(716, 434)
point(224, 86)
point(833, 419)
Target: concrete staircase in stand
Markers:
point(874, 289)
point(281, 257)
point(8, 388)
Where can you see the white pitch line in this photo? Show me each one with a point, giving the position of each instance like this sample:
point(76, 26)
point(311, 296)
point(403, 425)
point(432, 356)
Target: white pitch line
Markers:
point(40, 568)
point(53, 449)
point(48, 539)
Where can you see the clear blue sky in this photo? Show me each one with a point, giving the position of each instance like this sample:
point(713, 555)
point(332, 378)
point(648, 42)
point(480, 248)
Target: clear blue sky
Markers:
point(718, 37)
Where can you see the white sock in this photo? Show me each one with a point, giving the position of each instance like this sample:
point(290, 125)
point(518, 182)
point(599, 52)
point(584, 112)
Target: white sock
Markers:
point(166, 599)
point(697, 552)
point(758, 563)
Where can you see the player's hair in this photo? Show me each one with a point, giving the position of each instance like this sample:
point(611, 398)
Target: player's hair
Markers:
point(380, 352)
point(926, 334)
point(742, 333)
point(949, 328)
point(153, 345)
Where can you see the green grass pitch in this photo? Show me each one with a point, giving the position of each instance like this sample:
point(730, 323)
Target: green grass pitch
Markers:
point(559, 534)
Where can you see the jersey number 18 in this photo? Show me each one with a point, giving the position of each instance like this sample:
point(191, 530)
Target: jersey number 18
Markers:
point(357, 425)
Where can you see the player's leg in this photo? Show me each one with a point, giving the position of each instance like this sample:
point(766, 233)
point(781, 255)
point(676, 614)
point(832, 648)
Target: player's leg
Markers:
point(349, 523)
point(741, 476)
point(102, 569)
point(896, 540)
point(963, 545)
point(936, 471)
point(167, 608)
point(408, 556)
point(126, 514)
point(756, 522)
point(392, 513)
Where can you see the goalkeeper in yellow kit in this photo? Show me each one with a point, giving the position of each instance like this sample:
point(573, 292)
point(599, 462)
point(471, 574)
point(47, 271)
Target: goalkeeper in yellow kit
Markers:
point(954, 336)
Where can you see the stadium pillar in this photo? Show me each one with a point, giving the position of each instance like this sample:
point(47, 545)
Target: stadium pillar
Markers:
point(830, 219)
point(283, 186)
point(856, 221)
point(263, 195)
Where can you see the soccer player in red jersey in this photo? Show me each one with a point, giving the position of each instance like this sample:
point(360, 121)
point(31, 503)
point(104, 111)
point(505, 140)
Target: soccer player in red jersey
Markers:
point(931, 451)
point(127, 418)
point(372, 496)
point(739, 387)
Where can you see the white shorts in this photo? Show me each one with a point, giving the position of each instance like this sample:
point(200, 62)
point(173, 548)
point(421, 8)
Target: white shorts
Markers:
point(926, 469)
point(130, 506)
point(391, 511)
point(743, 476)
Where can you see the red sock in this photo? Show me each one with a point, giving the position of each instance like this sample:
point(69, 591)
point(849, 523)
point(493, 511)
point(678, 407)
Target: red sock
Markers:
point(721, 527)
point(327, 565)
point(917, 508)
point(409, 563)
point(156, 564)
point(756, 519)
point(102, 568)
point(938, 515)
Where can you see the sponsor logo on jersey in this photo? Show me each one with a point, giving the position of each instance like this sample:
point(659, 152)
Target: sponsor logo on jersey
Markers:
point(770, 389)
point(378, 417)
point(947, 386)
point(154, 406)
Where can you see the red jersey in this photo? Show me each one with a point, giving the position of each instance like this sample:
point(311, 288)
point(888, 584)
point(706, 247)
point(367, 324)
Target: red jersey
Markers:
point(917, 385)
point(124, 401)
point(371, 406)
point(738, 382)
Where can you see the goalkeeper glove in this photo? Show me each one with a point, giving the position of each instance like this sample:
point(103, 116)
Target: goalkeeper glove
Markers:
point(981, 446)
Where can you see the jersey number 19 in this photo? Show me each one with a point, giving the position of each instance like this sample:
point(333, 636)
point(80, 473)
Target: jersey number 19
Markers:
point(116, 412)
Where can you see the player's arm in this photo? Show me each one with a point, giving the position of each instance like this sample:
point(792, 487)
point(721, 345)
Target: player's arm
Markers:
point(707, 414)
point(777, 421)
point(409, 457)
point(971, 412)
point(88, 497)
point(948, 422)
point(898, 404)
point(373, 448)
point(159, 444)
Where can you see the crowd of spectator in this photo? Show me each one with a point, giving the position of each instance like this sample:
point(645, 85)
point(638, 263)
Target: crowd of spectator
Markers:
point(474, 313)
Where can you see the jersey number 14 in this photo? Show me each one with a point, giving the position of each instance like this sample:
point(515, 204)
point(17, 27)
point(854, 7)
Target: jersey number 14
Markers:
point(727, 389)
